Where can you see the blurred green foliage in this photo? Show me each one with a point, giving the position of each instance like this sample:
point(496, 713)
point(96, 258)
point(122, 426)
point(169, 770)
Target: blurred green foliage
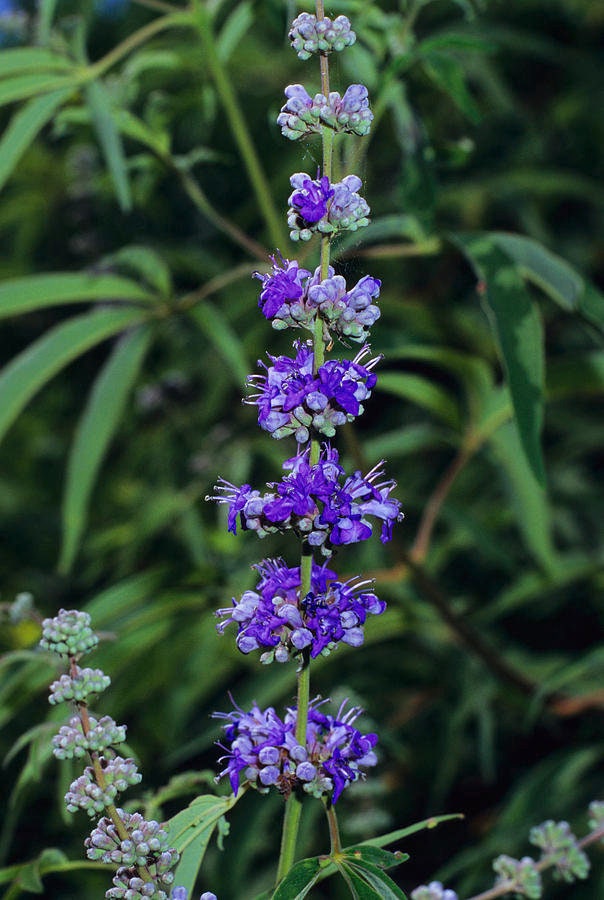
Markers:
point(143, 182)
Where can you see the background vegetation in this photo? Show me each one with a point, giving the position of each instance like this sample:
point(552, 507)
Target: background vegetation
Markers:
point(484, 678)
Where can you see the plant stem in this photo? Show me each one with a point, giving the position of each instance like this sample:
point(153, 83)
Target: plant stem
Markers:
point(238, 125)
point(334, 831)
point(509, 887)
point(293, 806)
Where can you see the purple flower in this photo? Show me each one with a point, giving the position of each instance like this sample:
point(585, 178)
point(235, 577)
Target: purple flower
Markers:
point(292, 298)
point(302, 114)
point(309, 200)
point(292, 400)
point(283, 289)
point(309, 35)
point(312, 501)
point(319, 206)
point(264, 748)
point(274, 617)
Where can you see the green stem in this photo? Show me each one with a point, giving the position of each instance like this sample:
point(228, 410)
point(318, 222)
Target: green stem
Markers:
point(334, 831)
point(238, 125)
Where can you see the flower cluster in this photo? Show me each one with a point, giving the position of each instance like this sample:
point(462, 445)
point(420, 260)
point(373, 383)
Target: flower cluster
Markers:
point(294, 399)
point(139, 847)
point(264, 748)
point(521, 875)
point(308, 34)
point(316, 205)
point(559, 846)
point(302, 114)
point(312, 502)
point(292, 297)
point(433, 891)
point(71, 742)
point(274, 618)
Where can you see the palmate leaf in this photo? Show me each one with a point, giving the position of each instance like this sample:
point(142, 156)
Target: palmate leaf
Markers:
point(190, 831)
point(368, 882)
point(300, 879)
point(30, 370)
point(23, 128)
point(518, 329)
point(21, 295)
point(96, 428)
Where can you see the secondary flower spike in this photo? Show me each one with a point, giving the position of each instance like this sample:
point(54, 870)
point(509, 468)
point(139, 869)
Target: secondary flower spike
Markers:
point(274, 617)
point(308, 34)
point(261, 748)
point(303, 115)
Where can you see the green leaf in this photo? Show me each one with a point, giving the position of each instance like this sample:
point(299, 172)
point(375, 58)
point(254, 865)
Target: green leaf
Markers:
point(25, 374)
point(519, 332)
point(401, 226)
point(104, 409)
point(99, 101)
point(219, 332)
point(234, 29)
point(554, 276)
point(190, 831)
point(401, 833)
point(370, 883)
point(425, 393)
point(375, 856)
point(22, 87)
point(146, 263)
point(19, 60)
point(21, 295)
point(528, 497)
point(45, 17)
point(449, 75)
point(23, 128)
point(299, 880)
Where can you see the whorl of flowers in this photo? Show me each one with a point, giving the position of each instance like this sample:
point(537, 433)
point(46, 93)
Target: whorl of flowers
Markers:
point(316, 502)
point(302, 114)
point(293, 297)
point(262, 750)
point(71, 742)
point(68, 633)
point(309, 35)
point(317, 206)
point(275, 619)
point(294, 400)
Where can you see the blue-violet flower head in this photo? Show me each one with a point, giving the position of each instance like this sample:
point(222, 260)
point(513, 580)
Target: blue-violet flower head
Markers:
point(308, 34)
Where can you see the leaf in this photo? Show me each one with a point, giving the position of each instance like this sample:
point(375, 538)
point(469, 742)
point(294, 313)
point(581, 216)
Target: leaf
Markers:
point(401, 226)
point(26, 373)
point(46, 14)
point(31, 59)
point(518, 329)
point(21, 295)
point(370, 883)
point(226, 342)
point(425, 393)
point(99, 101)
point(449, 75)
point(299, 880)
point(554, 276)
point(146, 263)
point(190, 831)
point(528, 496)
point(375, 856)
point(22, 87)
point(401, 833)
point(104, 409)
point(23, 128)
point(234, 29)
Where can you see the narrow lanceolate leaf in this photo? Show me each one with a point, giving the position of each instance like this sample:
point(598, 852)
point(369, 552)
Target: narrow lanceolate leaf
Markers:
point(554, 276)
point(29, 371)
point(102, 414)
point(221, 335)
point(18, 60)
point(24, 127)
point(190, 831)
point(98, 100)
point(21, 295)
point(21, 87)
point(517, 326)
